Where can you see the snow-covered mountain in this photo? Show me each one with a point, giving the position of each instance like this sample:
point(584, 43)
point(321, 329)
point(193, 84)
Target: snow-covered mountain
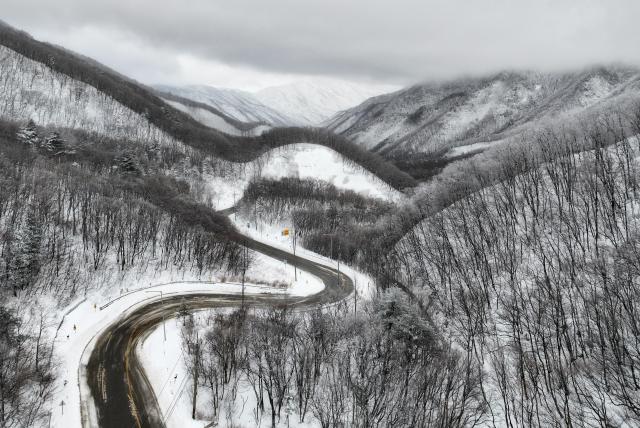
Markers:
point(30, 90)
point(312, 101)
point(214, 118)
point(307, 102)
point(239, 105)
point(435, 117)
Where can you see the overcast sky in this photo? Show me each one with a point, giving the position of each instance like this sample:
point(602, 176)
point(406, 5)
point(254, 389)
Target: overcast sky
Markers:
point(252, 44)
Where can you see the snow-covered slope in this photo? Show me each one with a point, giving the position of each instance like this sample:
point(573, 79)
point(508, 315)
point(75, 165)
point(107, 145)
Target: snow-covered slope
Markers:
point(216, 121)
point(312, 101)
point(225, 185)
point(501, 272)
point(239, 105)
point(31, 90)
point(429, 118)
point(306, 102)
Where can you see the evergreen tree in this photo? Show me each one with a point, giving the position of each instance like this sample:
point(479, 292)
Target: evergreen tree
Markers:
point(26, 252)
point(28, 134)
point(127, 164)
point(54, 143)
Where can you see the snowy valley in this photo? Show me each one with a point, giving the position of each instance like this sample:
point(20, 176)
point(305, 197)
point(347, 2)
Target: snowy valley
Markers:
point(323, 253)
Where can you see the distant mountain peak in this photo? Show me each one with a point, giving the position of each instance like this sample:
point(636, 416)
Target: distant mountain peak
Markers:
point(313, 100)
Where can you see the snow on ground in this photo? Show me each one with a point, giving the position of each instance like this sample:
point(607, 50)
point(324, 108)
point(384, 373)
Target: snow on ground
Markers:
point(304, 161)
point(168, 374)
point(214, 121)
point(381, 131)
point(483, 102)
point(31, 90)
point(89, 317)
point(206, 117)
point(470, 148)
point(85, 318)
point(240, 105)
point(277, 273)
point(314, 100)
point(165, 367)
point(272, 235)
point(595, 89)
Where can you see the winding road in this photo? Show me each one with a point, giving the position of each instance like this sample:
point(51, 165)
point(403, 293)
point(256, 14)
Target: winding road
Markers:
point(121, 394)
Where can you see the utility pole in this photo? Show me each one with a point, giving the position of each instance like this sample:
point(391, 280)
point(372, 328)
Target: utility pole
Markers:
point(255, 212)
point(245, 263)
point(293, 244)
point(355, 296)
point(235, 211)
point(195, 376)
point(331, 248)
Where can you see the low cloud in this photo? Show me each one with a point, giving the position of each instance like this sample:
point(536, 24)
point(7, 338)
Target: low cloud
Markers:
point(205, 41)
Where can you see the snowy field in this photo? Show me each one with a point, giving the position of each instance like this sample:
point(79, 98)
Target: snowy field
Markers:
point(304, 161)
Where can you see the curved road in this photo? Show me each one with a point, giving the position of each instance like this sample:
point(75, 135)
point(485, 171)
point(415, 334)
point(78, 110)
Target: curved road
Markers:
point(121, 393)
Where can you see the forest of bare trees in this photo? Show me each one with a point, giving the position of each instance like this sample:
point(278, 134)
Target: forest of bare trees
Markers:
point(383, 366)
point(26, 372)
point(70, 213)
point(325, 217)
point(535, 277)
point(527, 268)
point(58, 217)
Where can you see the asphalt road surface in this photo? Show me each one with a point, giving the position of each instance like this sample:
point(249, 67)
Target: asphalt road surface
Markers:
point(121, 393)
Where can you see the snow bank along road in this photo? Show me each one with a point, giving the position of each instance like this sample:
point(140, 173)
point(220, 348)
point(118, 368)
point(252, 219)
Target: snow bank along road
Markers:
point(122, 395)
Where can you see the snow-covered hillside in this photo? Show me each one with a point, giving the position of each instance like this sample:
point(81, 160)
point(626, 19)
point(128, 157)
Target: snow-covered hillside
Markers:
point(431, 117)
point(239, 105)
point(31, 90)
point(215, 121)
point(537, 277)
point(312, 101)
point(226, 183)
point(306, 102)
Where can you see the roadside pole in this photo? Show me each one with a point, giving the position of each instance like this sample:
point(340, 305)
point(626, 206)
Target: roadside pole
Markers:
point(245, 266)
point(293, 244)
point(355, 295)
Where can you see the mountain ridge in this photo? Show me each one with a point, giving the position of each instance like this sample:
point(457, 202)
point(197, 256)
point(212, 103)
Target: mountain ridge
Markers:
point(239, 105)
point(307, 102)
point(432, 116)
